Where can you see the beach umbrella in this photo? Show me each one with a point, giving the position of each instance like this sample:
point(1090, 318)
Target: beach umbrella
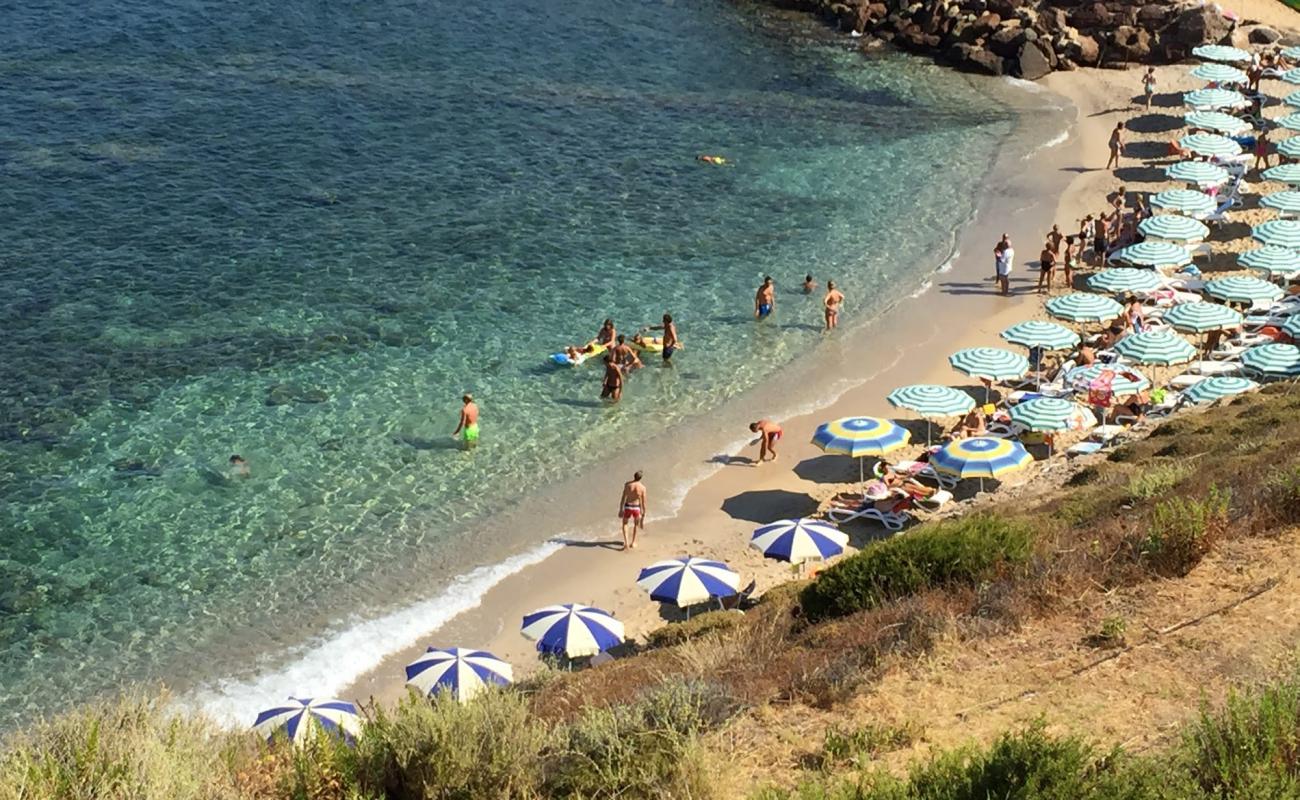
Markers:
point(1084, 307)
point(1243, 289)
point(989, 363)
point(1291, 75)
point(1214, 99)
point(931, 400)
point(457, 671)
point(980, 457)
point(1216, 121)
point(1157, 255)
point(1200, 173)
point(1125, 279)
point(1173, 228)
point(1272, 260)
point(1291, 53)
point(1292, 327)
point(1291, 122)
point(1209, 145)
point(1220, 52)
point(799, 540)
point(687, 581)
point(1287, 202)
point(860, 437)
point(1281, 360)
point(1123, 380)
point(1043, 335)
point(1046, 414)
point(571, 629)
point(1217, 387)
point(1284, 173)
point(1218, 73)
point(1156, 347)
point(1290, 147)
point(300, 718)
point(1292, 100)
point(1280, 232)
point(1184, 201)
point(1201, 317)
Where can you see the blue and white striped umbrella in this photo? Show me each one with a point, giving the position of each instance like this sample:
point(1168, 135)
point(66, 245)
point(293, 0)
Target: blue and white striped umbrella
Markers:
point(860, 437)
point(1292, 100)
point(1047, 414)
point(1286, 202)
point(1243, 289)
point(1121, 384)
point(1292, 75)
point(1290, 122)
point(1214, 99)
point(1216, 121)
point(687, 581)
point(1218, 73)
point(1126, 279)
point(1284, 173)
point(1209, 144)
point(1084, 307)
point(1184, 201)
point(1210, 389)
point(1279, 360)
point(300, 718)
point(1156, 347)
point(980, 457)
point(1201, 317)
point(571, 629)
point(1220, 52)
point(1292, 327)
point(799, 540)
point(1040, 334)
point(990, 363)
point(1173, 228)
point(1200, 173)
point(1279, 232)
point(456, 671)
point(1290, 147)
point(930, 400)
point(1272, 260)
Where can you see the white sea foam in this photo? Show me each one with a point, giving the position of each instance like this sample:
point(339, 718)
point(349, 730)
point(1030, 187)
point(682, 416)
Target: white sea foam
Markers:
point(1021, 83)
point(950, 263)
point(326, 666)
point(922, 289)
point(1058, 139)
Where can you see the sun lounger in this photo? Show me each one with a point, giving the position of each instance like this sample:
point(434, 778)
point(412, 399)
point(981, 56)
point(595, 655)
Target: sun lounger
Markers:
point(1213, 368)
point(1186, 380)
point(917, 471)
point(890, 520)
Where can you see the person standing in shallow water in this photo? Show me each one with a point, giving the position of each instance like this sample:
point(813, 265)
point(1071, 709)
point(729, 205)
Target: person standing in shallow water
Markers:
point(765, 299)
point(467, 428)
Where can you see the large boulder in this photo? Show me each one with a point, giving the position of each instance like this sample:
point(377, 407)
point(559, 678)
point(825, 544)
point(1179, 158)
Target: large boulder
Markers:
point(1033, 62)
point(1129, 44)
point(1262, 34)
point(1006, 41)
point(986, 23)
point(1153, 16)
point(1088, 52)
point(975, 59)
point(1196, 26)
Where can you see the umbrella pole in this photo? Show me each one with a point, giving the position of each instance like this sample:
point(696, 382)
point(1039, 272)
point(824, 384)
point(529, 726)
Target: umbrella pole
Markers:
point(927, 433)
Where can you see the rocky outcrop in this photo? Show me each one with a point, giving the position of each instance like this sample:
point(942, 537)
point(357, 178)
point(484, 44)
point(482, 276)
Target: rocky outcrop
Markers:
point(1030, 38)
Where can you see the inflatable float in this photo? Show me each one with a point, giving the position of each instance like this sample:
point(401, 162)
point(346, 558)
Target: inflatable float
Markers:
point(562, 359)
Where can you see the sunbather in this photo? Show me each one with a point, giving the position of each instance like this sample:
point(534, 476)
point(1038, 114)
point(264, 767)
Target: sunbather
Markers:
point(1135, 406)
point(973, 424)
point(897, 479)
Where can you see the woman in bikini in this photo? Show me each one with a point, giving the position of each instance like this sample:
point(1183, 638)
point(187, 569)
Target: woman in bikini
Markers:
point(1046, 268)
point(833, 300)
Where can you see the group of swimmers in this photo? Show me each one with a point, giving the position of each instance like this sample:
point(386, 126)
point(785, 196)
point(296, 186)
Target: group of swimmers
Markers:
point(765, 300)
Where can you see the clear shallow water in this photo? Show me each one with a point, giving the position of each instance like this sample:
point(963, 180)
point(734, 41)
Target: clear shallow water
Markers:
point(301, 232)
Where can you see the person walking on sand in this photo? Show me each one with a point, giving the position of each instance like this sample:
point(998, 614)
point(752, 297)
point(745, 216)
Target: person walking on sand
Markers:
point(833, 300)
point(467, 428)
point(765, 299)
point(1261, 150)
point(1003, 255)
point(1116, 145)
point(1149, 85)
point(611, 388)
point(1046, 267)
point(769, 433)
point(632, 506)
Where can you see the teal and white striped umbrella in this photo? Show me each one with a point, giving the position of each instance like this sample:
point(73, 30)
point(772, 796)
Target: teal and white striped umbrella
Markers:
point(1287, 202)
point(1210, 144)
point(1216, 388)
point(1292, 327)
point(1044, 335)
point(1292, 75)
point(1126, 279)
point(1045, 414)
point(1292, 100)
point(1216, 121)
point(1200, 173)
point(1173, 228)
point(1279, 360)
point(1272, 260)
point(1123, 381)
point(1084, 307)
point(1202, 317)
point(1214, 99)
point(1279, 232)
point(1220, 52)
point(1290, 147)
point(1159, 255)
point(1218, 73)
point(1292, 53)
point(1284, 173)
point(1290, 122)
point(1184, 201)
point(1243, 289)
point(991, 363)
point(1161, 348)
point(930, 400)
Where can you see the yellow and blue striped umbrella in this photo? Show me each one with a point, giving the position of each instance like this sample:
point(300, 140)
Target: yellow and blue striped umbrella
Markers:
point(1272, 260)
point(981, 457)
point(860, 437)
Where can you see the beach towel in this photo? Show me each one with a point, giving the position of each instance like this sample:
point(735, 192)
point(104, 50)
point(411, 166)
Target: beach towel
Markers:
point(1100, 391)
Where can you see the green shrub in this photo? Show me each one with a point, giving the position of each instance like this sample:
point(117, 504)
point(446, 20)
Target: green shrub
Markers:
point(693, 628)
point(1251, 748)
point(1182, 530)
point(1282, 494)
point(948, 552)
point(859, 746)
point(1157, 479)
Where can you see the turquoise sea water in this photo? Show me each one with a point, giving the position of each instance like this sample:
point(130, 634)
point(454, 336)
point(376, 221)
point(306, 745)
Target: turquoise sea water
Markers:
point(299, 231)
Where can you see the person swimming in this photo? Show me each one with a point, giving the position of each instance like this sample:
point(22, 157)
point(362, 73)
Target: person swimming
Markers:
point(709, 159)
point(809, 285)
point(238, 466)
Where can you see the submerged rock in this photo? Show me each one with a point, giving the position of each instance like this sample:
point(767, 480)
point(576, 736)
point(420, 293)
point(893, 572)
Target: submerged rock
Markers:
point(282, 394)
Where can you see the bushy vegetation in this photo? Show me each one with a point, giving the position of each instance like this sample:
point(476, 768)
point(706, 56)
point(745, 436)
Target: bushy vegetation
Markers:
point(957, 551)
point(1182, 530)
point(1157, 479)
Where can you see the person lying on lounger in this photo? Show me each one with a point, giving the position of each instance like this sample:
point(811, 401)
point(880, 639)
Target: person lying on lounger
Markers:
point(972, 424)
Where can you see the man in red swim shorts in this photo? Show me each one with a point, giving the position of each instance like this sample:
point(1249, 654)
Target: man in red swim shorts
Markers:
point(769, 433)
point(631, 506)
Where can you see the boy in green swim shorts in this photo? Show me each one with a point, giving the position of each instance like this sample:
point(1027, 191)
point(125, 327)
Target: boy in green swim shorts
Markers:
point(468, 425)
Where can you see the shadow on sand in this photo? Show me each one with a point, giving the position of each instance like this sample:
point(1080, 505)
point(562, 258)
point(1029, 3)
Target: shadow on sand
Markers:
point(768, 505)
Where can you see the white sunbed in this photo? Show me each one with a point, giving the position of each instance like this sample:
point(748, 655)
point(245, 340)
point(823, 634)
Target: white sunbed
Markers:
point(916, 470)
point(1214, 368)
